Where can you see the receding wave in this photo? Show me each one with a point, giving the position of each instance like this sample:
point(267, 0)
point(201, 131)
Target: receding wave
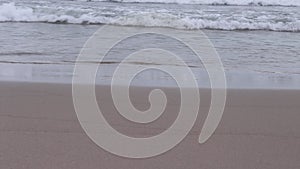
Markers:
point(248, 20)
point(20, 53)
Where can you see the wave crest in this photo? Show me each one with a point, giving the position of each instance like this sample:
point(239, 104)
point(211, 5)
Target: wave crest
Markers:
point(216, 2)
point(9, 12)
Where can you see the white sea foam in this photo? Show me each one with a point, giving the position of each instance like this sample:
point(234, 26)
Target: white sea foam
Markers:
point(201, 19)
point(218, 2)
point(9, 12)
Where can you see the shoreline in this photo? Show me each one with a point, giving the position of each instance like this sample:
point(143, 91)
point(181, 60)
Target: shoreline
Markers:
point(143, 102)
point(62, 74)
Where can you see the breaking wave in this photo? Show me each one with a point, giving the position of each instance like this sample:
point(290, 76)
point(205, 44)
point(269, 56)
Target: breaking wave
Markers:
point(248, 20)
point(217, 2)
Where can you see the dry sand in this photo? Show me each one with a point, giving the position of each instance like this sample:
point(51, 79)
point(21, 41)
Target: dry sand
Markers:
point(260, 129)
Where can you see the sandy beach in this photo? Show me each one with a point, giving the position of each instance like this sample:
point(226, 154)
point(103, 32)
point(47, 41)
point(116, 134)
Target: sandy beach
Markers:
point(39, 129)
point(249, 48)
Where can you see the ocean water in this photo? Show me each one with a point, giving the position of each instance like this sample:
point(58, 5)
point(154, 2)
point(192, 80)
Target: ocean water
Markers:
point(274, 15)
point(254, 38)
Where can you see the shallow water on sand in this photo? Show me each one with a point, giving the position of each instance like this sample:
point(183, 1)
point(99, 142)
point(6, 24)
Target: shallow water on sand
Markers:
point(241, 51)
point(264, 55)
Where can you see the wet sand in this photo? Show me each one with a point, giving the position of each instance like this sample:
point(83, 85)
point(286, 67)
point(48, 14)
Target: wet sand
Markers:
point(39, 129)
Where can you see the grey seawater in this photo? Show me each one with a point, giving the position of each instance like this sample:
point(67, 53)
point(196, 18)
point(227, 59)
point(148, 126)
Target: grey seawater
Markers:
point(181, 16)
point(47, 52)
